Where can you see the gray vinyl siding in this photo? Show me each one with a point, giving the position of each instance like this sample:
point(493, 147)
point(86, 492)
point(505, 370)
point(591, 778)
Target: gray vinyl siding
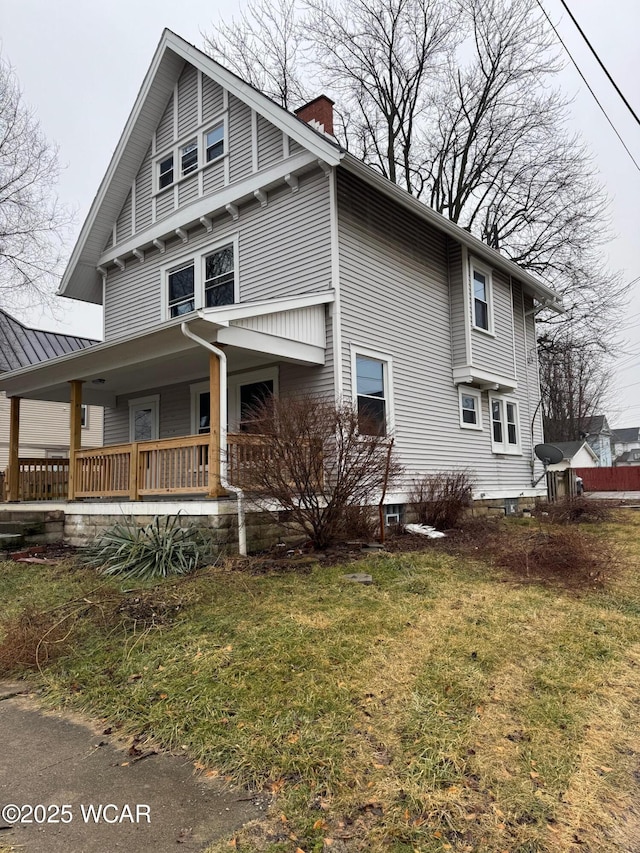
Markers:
point(165, 203)
point(212, 99)
point(294, 147)
point(269, 143)
point(240, 140)
point(188, 190)
point(395, 300)
point(187, 100)
point(494, 353)
point(284, 250)
point(213, 177)
point(144, 189)
point(458, 317)
point(124, 223)
point(164, 132)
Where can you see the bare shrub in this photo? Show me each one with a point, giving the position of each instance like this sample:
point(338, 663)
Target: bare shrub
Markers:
point(440, 499)
point(574, 511)
point(318, 465)
point(32, 639)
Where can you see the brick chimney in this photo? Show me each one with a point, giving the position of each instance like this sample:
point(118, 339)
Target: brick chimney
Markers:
point(318, 113)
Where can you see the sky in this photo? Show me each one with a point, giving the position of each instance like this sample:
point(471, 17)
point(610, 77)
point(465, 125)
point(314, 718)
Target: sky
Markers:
point(80, 64)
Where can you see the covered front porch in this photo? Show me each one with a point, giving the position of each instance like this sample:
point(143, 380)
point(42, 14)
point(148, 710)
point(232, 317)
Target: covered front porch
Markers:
point(179, 393)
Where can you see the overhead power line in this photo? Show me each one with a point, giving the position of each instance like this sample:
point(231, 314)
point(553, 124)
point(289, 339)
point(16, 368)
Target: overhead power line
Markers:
point(586, 83)
point(600, 62)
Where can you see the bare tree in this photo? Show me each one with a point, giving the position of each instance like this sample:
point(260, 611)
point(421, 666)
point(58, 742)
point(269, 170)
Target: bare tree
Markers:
point(32, 222)
point(263, 47)
point(575, 378)
point(317, 461)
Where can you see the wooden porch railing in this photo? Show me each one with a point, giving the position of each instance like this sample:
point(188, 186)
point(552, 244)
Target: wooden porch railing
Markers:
point(42, 479)
point(172, 466)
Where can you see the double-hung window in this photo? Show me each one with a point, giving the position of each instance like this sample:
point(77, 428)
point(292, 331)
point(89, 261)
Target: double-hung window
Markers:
point(219, 277)
point(481, 286)
point(205, 281)
point(214, 142)
point(470, 408)
point(181, 289)
point(189, 157)
point(505, 425)
point(372, 391)
point(165, 172)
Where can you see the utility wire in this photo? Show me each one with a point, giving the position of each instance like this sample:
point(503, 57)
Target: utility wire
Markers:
point(584, 79)
point(600, 62)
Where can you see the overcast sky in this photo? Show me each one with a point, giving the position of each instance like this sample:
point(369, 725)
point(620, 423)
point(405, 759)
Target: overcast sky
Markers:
point(80, 64)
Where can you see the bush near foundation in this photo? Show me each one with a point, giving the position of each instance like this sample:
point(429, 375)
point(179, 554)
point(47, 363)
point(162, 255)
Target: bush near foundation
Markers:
point(440, 499)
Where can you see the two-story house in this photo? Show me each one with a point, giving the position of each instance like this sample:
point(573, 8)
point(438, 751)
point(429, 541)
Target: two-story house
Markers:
point(238, 250)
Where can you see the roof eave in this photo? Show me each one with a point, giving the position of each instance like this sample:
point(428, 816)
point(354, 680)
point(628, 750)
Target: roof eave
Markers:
point(542, 292)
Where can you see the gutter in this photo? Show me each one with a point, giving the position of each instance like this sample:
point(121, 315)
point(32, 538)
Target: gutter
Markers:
point(242, 527)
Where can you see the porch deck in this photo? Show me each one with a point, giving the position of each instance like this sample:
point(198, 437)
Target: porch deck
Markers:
point(139, 470)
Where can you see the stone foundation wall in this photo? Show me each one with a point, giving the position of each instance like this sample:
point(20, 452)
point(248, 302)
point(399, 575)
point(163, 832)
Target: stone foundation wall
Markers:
point(263, 528)
point(39, 527)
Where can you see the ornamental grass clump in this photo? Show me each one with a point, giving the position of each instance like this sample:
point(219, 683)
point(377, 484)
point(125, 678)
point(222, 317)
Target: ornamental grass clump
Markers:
point(156, 550)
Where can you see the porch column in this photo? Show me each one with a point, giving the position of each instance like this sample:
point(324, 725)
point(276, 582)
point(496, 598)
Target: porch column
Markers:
point(215, 489)
point(13, 485)
point(75, 432)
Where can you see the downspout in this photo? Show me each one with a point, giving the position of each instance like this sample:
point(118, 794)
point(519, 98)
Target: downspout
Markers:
point(242, 527)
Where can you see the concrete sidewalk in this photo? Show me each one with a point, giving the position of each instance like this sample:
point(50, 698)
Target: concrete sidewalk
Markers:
point(52, 760)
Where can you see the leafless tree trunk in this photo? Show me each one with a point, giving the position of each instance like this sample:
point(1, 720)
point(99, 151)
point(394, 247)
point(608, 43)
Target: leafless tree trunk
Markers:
point(32, 223)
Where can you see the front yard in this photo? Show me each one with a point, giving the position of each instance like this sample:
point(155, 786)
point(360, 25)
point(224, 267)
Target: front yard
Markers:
point(450, 705)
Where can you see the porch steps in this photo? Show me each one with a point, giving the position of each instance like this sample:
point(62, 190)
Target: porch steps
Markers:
point(22, 528)
point(10, 541)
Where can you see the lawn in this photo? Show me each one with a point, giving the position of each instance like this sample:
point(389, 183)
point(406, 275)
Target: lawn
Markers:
point(450, 705)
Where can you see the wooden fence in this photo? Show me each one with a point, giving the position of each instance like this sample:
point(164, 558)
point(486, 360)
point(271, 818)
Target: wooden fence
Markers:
point(623, 479)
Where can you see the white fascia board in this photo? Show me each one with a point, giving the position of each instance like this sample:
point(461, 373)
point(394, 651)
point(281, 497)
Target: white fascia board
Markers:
point(271, 345)
point(543, 292)
point(242, 310)
point(207, 206)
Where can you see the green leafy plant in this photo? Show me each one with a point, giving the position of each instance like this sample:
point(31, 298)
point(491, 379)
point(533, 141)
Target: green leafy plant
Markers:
point(155, 550)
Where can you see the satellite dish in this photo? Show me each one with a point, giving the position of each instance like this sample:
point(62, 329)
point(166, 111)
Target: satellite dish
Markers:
point(548, 454)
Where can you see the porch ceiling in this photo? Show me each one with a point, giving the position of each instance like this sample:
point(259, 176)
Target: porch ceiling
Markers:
point(160, 356)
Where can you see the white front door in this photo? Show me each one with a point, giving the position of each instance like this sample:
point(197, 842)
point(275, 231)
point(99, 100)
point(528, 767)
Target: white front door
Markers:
point(143, 418)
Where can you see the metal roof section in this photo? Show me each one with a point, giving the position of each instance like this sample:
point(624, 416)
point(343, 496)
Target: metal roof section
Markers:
point(21, 346)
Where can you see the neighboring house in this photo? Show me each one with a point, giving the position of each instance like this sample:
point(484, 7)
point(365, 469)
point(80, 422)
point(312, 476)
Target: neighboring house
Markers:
point(235, 244)
point(44, 431)
point(575, 454)
point(628, 458)
point(625, 439)
point(598, 433)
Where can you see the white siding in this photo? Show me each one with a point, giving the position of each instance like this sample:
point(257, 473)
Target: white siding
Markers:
point(494, 353)
point(212, 102)
point(165, 131)
point(269, 143)
point(144, 188)
point(123, 226)
point(240, 142)
point(187, 100)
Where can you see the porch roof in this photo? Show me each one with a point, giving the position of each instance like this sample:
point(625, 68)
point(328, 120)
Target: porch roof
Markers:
point(254, 334)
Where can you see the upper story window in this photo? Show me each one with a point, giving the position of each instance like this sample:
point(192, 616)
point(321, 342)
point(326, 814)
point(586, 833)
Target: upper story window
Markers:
point(188, 156)
point(481, 286)
point(372, 391)
point(204, 281)
point(214, 142)
point(470, 400)
point(505, 425)
point(165, 172)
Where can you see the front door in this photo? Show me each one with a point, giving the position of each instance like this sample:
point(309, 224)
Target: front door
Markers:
point(143, 419)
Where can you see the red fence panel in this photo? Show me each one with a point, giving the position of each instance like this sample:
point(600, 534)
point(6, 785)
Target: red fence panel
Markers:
point(623, 479)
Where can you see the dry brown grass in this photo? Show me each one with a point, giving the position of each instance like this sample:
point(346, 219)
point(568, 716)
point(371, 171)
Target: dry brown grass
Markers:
point(32, 639)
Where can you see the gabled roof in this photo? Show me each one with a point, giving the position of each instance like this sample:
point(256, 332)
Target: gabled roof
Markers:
point(21, 346)
point(81, 280)
point(625, 435)
point(629, 456)
point(570, 448)
point(595, 425)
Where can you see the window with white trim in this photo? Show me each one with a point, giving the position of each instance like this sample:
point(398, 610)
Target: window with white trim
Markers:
point(187, 156)
point(371, 376)
point(470, 400)
point(205, 281)
point(84, 416)
point(214, 142)
point(144, 418)
point(505, 425)
point(481, 287)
